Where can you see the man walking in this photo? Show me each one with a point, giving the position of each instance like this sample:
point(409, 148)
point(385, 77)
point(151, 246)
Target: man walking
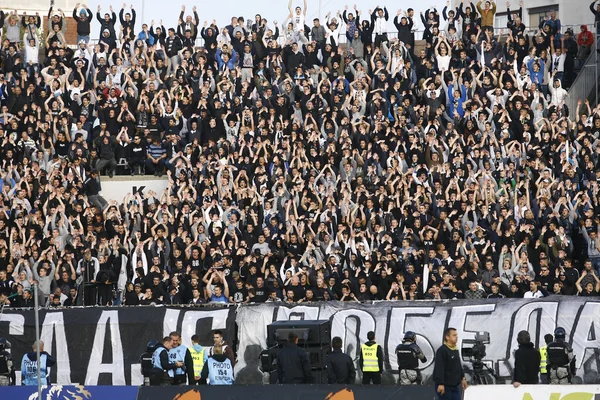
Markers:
point(340, 367)
point(448, 374)
point(371, 361)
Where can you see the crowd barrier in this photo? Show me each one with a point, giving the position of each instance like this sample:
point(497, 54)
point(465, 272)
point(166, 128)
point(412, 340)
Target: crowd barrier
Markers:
point(102, 346)
point(304, 392)
point(533, 392)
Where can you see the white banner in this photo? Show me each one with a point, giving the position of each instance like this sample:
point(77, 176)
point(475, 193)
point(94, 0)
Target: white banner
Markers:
point(502, 319)
point(116, 189)
point(533, 392)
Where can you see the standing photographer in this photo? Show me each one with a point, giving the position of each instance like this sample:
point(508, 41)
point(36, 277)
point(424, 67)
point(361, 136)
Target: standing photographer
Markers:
point(527, 361)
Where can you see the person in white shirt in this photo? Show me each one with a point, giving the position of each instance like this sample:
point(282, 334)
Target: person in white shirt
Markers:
point(32, 50)
point(298, 19)
point(332, 29)
point(534, 292)
point(557, 66)
point(379, 19)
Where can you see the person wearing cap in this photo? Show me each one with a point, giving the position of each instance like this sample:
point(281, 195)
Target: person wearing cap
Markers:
point(83, 16)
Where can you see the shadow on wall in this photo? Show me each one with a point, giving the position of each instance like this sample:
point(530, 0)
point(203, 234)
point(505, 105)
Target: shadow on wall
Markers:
point(250, 374)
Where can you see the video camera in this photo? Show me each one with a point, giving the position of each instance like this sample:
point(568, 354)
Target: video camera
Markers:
point(476, 348)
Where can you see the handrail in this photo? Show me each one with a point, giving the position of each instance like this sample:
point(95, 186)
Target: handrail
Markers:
point(586, 80)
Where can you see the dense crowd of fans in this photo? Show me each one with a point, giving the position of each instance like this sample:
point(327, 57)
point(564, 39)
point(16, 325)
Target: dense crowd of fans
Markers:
point(302, 165)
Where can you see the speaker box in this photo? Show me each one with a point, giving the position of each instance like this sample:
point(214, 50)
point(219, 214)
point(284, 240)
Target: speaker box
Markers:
point(310, 332)
point(318, 356)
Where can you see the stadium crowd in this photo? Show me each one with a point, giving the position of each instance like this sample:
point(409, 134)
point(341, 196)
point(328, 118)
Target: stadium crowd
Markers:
point(302, 165)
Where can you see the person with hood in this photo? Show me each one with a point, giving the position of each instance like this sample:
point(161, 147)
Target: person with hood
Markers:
point(199, 358)
point(84, 21)
point(107, 23)
point(366, 33)
point(217, 369)
point(527, 361)
point(557, 93)
point(29, 366)
point(585, 40)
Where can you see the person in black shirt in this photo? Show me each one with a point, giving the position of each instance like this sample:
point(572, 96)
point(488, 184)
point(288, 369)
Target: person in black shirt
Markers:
point(448, 374)
point(261, 293)
point(340, 367)
point(239, 294)
point(293, 364)
point(527, 361)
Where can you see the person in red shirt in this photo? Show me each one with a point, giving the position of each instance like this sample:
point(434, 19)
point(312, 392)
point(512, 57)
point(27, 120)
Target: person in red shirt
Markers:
point(585, 40)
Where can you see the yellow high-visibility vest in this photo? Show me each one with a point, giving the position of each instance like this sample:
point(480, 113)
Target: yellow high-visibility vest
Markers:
point(370, 361)
point(198, 359)
point(543, 359)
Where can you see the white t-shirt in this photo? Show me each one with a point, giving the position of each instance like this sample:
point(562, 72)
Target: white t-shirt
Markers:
point(298, 21)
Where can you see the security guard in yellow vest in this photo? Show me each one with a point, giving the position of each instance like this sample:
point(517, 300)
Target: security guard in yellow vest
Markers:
point(199, 357)
point(371, 361)
point(544, 358)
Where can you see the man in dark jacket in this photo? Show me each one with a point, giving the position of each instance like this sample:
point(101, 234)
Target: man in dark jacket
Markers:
point(527, 361)
point(448, 374)
point(161, 365)
point(340, 367)
point(293, 365)
point(84, 19)
point(106, 152)
point(108, 22)
point(136, 155)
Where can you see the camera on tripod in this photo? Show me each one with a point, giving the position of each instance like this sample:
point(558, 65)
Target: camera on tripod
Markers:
point(474, 353)
point(476, 349)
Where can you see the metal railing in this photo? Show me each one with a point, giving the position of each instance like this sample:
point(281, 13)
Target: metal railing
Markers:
point(586, 81)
